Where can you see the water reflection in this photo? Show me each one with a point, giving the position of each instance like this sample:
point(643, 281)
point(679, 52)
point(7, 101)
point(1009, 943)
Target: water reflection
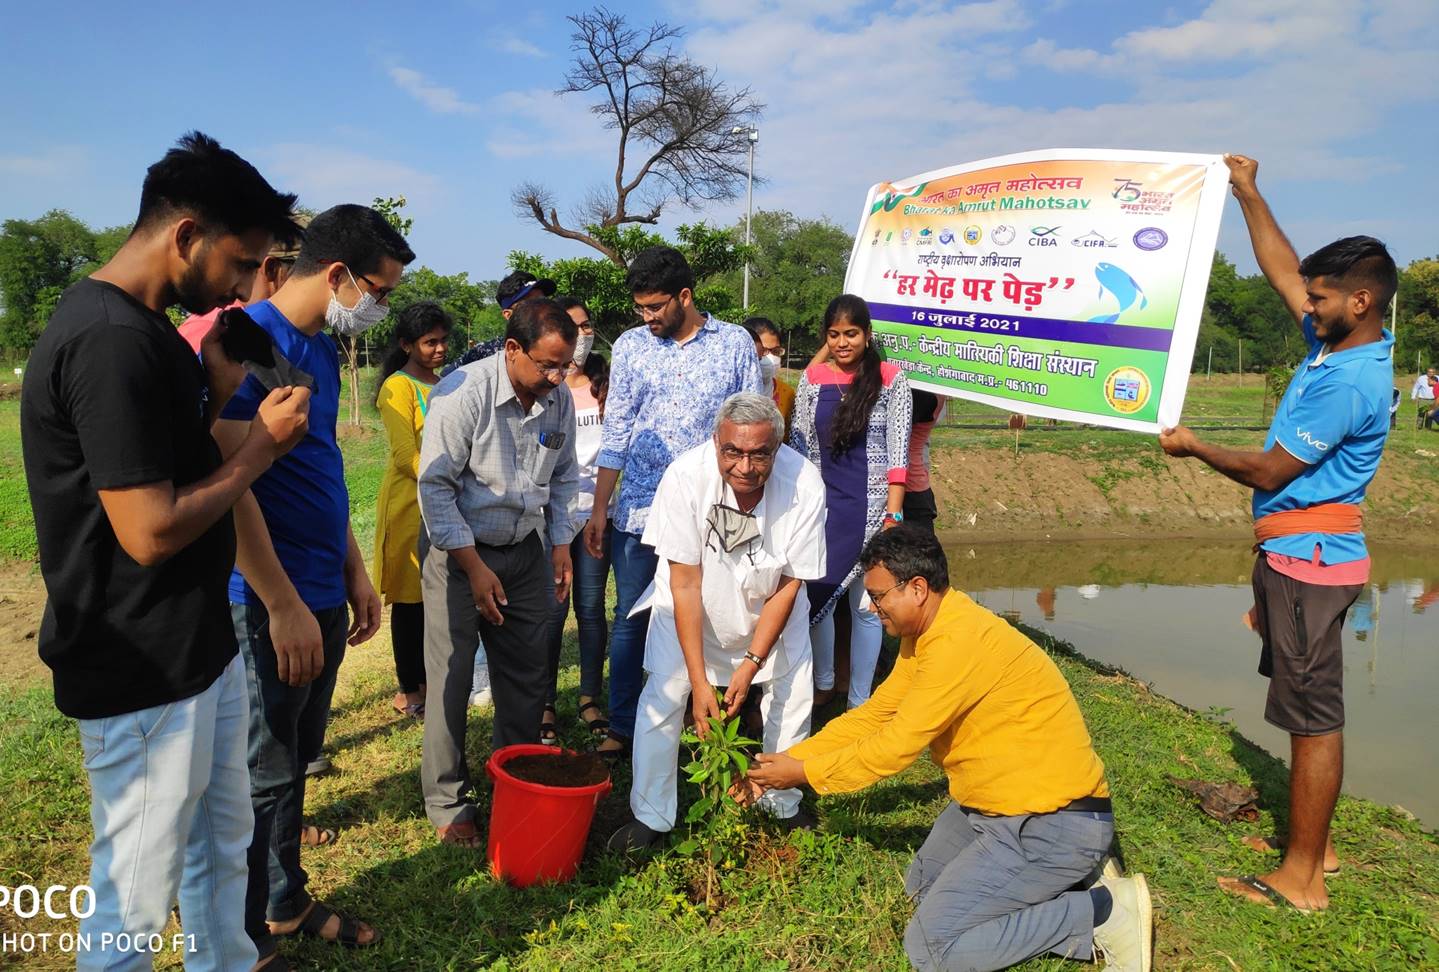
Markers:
point(1169, 612)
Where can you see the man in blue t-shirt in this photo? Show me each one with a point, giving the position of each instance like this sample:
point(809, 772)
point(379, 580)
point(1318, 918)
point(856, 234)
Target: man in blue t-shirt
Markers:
point(297, 566)
point(1321, 453)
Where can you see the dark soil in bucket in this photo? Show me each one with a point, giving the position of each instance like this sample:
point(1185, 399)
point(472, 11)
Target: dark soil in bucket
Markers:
point(561, 769)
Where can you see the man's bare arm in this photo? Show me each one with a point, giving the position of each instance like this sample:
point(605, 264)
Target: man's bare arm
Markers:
point(1276, 256)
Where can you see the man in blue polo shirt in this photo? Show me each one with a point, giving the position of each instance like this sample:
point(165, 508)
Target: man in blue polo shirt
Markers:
point(1321, 453)
point(297, 566)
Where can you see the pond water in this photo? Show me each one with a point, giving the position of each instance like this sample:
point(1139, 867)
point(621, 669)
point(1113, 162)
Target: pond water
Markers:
point(1168, 612)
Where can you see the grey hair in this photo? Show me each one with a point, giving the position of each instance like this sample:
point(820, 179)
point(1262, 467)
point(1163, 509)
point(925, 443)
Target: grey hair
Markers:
point(750, 408)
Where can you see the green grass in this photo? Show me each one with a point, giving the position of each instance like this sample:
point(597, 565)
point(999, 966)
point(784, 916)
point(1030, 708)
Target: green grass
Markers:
point(832, 900)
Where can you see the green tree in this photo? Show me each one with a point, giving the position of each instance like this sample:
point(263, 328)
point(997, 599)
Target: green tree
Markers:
point(389, 207)
point(38, 259)
point(1418, 298)
point(797, 267)
point(472, 305)
point(600, 283)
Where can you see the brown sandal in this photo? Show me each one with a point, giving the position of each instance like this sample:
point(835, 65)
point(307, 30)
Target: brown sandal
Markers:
point(312, 835)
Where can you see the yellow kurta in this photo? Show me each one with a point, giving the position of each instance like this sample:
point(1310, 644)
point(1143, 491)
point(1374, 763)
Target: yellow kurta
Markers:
point(402, 403)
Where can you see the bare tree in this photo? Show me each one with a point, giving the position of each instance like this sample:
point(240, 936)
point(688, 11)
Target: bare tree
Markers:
point(676, 123)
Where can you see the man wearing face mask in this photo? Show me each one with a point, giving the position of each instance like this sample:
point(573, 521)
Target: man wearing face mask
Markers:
point(297, 566)
point(738, 526)
point(770, 348)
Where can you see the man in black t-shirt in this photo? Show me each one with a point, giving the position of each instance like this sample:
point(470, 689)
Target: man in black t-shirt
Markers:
point(132, 513)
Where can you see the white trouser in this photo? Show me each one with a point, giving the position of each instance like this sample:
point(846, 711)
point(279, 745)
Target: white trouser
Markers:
point(785, 708)
point(865, 637)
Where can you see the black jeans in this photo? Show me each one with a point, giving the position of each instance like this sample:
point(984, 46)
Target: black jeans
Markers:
point(287, 728)
point(407, 639)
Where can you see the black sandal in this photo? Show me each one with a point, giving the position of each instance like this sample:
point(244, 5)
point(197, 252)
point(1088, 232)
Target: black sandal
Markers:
point(313, 925)
point(1276, 900)
point(599, 728)
point(549, 730)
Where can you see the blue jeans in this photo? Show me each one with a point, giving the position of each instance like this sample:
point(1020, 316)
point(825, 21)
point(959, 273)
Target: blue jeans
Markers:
point(634, 565)
point(588, 597)
point(990, 892)
point(170, 804)
point(287, 727)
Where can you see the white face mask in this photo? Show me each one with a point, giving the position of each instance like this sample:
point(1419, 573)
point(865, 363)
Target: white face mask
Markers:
point(583, 345)
point(350, 321)
point(768, 366)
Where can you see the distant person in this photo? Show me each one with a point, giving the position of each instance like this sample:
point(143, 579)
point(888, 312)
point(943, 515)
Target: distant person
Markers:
point(1323, 448)
point(919, 506)
point(588, 380)
point(407, 376)
point(769, 345)
point(852, 420)
point(132, 515)
point(1030, 819)
point(667, 381)
point(515, 289)
point(497, 466)
point(300, 593)
point(1426, 387)
point(1394, 410)
point(738, 525)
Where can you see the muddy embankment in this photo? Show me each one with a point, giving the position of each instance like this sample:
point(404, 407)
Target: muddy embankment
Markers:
point(991, 494)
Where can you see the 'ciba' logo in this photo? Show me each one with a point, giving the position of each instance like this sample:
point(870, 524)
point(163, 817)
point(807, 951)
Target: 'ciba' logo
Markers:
point(1321, 446)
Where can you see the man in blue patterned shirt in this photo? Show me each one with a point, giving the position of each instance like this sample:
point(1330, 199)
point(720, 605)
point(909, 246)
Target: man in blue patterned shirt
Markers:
point(667, 382)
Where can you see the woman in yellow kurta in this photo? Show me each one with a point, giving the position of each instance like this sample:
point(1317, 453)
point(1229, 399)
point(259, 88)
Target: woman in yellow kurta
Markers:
point(418, 348)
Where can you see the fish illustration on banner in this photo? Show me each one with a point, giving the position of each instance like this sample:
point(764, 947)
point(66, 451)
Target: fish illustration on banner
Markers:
point(980, 289)
point(1121, 287)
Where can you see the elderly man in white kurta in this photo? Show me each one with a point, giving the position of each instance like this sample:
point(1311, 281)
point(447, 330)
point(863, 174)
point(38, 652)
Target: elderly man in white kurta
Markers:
point(738, 525)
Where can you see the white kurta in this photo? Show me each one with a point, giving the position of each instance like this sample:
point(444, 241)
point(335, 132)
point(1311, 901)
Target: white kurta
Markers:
point(736, 584)
point(734, 589)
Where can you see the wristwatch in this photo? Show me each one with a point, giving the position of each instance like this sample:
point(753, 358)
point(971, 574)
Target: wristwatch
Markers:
point(896, 517)
point(758, 661)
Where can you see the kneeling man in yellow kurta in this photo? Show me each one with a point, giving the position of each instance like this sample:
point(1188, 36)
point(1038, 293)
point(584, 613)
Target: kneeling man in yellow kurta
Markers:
point(1001, 876)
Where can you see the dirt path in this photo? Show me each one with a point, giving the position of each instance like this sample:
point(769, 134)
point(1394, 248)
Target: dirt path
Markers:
point(22, 602)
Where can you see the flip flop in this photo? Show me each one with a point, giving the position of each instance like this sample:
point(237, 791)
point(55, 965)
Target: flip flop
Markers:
point(1272, 844)
point(314, 923)
point(598, 727)
point(415, 710)
point(1276, 899)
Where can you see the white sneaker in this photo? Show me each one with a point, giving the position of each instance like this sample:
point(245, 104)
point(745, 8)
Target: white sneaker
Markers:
point(482, 698)
point(1126, 940)
point(1109, 869)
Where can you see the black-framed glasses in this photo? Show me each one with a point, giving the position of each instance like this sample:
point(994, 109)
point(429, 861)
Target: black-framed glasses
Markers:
point(380, 292)
point(874, 598)
point(646, 311)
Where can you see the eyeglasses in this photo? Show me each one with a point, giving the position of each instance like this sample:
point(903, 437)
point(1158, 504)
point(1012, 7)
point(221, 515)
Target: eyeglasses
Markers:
point(874, 598)
point(558, 372)
point(646, 311)
point(381, 294)
point(757, 457)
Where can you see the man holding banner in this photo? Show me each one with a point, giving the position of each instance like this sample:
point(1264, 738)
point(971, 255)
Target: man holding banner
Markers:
point(1319, 457)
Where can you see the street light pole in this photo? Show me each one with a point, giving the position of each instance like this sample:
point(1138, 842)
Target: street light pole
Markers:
point(753, 135)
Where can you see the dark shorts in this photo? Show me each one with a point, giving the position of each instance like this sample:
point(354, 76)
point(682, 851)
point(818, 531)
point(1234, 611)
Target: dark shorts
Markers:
point(1300, 626)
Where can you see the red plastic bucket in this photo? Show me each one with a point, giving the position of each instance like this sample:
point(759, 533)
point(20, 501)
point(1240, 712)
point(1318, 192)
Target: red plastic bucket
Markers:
point(537, 832)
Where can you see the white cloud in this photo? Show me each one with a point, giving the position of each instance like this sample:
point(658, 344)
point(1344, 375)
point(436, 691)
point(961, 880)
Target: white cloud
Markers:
point(59, 162)
point(437, 98)
point(522, 47)
point(324, 176)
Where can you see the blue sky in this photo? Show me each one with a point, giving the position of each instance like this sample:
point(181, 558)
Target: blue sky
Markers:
point(454, 105)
